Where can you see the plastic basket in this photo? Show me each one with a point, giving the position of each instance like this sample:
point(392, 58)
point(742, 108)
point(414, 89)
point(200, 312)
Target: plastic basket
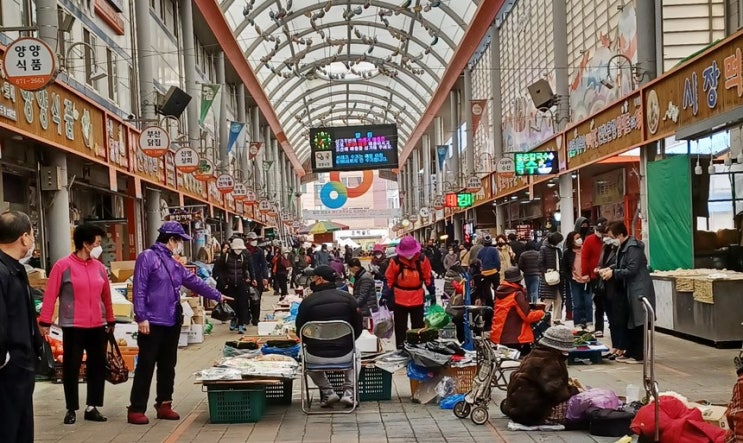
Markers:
point(374, 383)
point(280, 393)
point(238, 404)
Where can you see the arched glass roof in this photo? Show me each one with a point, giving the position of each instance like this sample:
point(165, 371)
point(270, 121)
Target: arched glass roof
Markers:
point(347, 62)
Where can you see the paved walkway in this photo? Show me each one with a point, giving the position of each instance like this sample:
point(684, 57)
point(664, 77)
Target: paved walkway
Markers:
point(697, 371)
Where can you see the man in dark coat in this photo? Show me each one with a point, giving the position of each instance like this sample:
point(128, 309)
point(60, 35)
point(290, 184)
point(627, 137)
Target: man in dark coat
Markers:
point(259, 273)
point(539, 389)
point(327, 303)
point(364, 289)
point(631, 269)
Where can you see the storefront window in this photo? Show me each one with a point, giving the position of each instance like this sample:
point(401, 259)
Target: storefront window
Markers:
point(725, 198)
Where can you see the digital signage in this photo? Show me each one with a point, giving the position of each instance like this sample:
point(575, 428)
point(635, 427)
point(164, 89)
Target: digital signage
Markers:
point(353, 148)
point(536, 163)
point(461, 200)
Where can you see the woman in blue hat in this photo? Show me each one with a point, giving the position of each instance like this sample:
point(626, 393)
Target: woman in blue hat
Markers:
point(157, 310)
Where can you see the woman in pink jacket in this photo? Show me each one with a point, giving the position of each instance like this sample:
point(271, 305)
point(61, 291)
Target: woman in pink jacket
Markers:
point(80, 282)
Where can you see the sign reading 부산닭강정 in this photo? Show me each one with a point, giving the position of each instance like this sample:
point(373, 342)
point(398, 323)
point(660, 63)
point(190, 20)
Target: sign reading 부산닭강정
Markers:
point(154, 141)
point(536, 163)
point(29, 64)
point(614, 130)
point(353, 148)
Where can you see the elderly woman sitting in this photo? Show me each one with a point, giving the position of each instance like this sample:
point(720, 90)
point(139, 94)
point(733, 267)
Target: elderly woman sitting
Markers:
point(539, 389)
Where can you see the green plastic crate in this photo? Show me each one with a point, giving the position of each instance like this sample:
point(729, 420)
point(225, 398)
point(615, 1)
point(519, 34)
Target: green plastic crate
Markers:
point(280, 393)
point(374, 383)
point(236, 404)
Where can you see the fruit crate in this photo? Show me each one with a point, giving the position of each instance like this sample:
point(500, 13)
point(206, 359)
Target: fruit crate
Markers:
point(57, 378)
point(374, 383)
point(280, 393)
point(230, 404)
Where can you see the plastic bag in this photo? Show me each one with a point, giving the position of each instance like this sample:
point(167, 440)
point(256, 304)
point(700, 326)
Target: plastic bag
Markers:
point(45, 365)
point(592, 398)
point(426, 358)
point(208, 326)
point(450, 401)
point(229, 351)
point(446, 387)
point(436, 317)
point(223, 312)
point(384, 324)
point(294, 310)
point(418, 373)
point(291, 351)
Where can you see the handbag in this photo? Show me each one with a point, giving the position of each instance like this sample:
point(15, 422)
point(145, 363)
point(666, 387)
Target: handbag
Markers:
point(552, 276)
point(223, 312)
point(45, 364)
point(116, 370)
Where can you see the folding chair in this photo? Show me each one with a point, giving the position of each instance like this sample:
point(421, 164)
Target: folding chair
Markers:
point(323, 331)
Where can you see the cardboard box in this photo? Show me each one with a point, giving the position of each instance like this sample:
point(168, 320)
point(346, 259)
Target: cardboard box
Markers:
point(129, 354)
point(122, 270)
point(126, 332)
point(198, 320)
point(194, 302)
point(124, 310)
point(196, 334)
point(714, 415)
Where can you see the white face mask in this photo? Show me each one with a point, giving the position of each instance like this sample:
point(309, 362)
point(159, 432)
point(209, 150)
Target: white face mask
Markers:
point(579, 242)
point(608, 241)
point(96, 252)
point(178, 248)
point(254, 243)
point(29, 254)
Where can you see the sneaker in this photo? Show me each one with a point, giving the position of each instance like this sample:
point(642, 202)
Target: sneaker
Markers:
point(241, 329)
point(598, 334)
point(70, 418)
point(233, 324)
point(328, 399)
point(347, 399)
point(631, 361)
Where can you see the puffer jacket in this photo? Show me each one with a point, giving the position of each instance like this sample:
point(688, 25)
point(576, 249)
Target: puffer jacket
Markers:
point(539, 384)
point(257, 263)
point(631, 271)
point(407, 279)
point(365, 292)
point(157, 282)
point(512, 319)
point(549, 257)
point(232, 270)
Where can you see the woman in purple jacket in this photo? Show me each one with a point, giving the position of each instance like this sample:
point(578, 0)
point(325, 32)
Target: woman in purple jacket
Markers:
point(157, 310)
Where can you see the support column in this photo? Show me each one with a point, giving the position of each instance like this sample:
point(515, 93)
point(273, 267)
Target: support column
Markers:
point(222, 128)
point(496, 117)
point(268, 151)
point(453, 166)
point(416, 181)
point(255, 114)
point(426, 150)
point(242, 147)
point(438, 139)
point(469, 134)
point(560, 48)
point(189, 72)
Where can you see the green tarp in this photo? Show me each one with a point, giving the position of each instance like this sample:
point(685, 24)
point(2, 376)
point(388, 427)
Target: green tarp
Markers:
point(670, 216)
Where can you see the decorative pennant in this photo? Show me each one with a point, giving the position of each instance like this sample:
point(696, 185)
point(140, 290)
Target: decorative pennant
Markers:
point(253, 149)
point(208, 94)
point(441, 152)
point(479, 107)
point(235, 130)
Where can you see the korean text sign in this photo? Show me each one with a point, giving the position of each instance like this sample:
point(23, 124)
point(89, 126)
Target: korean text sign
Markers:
point(354, 148)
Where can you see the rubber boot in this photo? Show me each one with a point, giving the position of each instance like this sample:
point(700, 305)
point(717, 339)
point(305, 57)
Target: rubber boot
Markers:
point(165, 411)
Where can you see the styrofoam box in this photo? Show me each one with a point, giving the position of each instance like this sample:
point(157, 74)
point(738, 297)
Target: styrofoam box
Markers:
point(126, 332)
point(267, 327)
point(196, 334)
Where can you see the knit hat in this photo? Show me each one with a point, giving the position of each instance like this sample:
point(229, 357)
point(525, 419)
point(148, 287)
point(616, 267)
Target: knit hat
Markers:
point(174, 228)
point(408, 247)
point(558, 337)
point(513, 275)
point(487, 240)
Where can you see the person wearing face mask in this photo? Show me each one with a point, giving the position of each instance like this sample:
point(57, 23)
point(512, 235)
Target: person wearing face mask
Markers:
point(80, 282)
point(613, 297)
point(259, 271)
point(20, 339)
point(583, 227)
point(589, 259)
point(451, 258)
point(507, 256)
point(157, 310)
point(573, 274)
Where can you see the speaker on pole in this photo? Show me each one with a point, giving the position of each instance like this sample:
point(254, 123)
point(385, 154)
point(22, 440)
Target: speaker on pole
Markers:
point(174, 102)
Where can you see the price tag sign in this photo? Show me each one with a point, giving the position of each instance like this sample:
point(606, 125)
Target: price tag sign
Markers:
point(154, 141)
point(240, 192)
point(264, 206)
point(225, 183)
point(186, 160)
point(29, 64)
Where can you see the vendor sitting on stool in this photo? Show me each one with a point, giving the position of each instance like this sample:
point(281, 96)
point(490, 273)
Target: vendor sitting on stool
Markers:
point(327, 303)
point(539, 389)
point(513, 319)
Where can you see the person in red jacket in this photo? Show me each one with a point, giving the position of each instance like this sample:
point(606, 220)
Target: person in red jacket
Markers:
point(513, 319)
point(407, 274)
point(86, 316)
point(589, 256)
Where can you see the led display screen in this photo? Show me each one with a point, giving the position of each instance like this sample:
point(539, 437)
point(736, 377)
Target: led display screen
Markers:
point(461, 200)
point(353, 148)
point(536, 163)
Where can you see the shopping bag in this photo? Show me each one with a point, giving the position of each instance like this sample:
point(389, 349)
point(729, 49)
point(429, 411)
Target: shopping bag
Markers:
point(384, 325)
point(116, 369)
point(45, 366)
point(223, 312)
point(436, 317)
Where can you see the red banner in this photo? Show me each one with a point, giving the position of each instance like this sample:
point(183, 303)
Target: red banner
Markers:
point(479, 108)
point(253, 149)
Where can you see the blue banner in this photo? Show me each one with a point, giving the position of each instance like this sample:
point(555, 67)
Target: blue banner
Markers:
point(235, 129)
point(441, 152)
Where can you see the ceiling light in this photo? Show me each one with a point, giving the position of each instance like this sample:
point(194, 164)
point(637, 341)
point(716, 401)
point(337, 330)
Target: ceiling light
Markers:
point(711, 169)
point(698, 169)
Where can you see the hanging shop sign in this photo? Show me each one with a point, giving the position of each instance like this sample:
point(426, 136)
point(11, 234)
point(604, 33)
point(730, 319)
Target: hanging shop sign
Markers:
point(536, 163)
point(439, 203)
point(264, 206)
point(116, 143)
point(250, 198)
point(608, 188)
point(205, 172)
point(705, 88)
point(240, 192)
point(424, 212)
point(508, 183)
point(473, 184)
point(505, 166)
point(459, 200)
point(29, 64)
point(186, 160)
point(154, 141)
point(253, 149)
point(616, 129)
point(170, 172)
point(225, 183)
point(274, 211)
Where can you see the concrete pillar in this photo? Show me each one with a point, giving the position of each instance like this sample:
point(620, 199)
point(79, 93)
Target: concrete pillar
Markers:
point(222, 127)
point(426, 150)
point(276, 175)
point(560, 48)
point(416, 181)
point(189, 71)
point(255, 115)
point(242, 147)
point(438, 139)
point(267, 152)
point(469, 133)
point(496, 117)
point(453, 165)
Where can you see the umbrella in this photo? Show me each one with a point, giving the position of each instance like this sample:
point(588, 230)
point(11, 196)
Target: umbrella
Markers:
point(322, 227)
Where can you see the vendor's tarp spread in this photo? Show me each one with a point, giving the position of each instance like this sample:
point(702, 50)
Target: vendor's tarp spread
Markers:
point(669, 216)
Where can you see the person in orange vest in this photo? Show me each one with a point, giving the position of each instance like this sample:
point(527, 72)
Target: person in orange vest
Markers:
point(407, 274)
point(513, 318)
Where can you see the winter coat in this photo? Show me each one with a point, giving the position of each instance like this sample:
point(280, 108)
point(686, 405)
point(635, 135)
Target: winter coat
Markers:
point(321, 258)
point(157, 282)
point(84, 294)
point(549, 257)
point(407, 279)
point(365, 292)
point(529, 263)
point(257, 264)
point(490, 258)
point(537, 385)
point(232, 270)
point(512, 319)
point(613, 292)
point(590, 254)
point(632, 273)
point(280, 265)
point(380, 267)
point(518, 248)
point(450, 260)
point(324, 304)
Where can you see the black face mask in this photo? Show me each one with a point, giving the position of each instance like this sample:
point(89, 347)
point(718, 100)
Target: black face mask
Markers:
point(583, 230)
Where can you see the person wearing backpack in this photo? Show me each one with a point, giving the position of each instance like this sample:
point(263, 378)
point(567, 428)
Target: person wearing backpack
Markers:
point(406, 275)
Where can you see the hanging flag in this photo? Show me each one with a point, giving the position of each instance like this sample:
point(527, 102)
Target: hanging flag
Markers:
point(479, 108)
point(253, 149)
point(208, 94)
point(441, 152)
point(235, 130)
